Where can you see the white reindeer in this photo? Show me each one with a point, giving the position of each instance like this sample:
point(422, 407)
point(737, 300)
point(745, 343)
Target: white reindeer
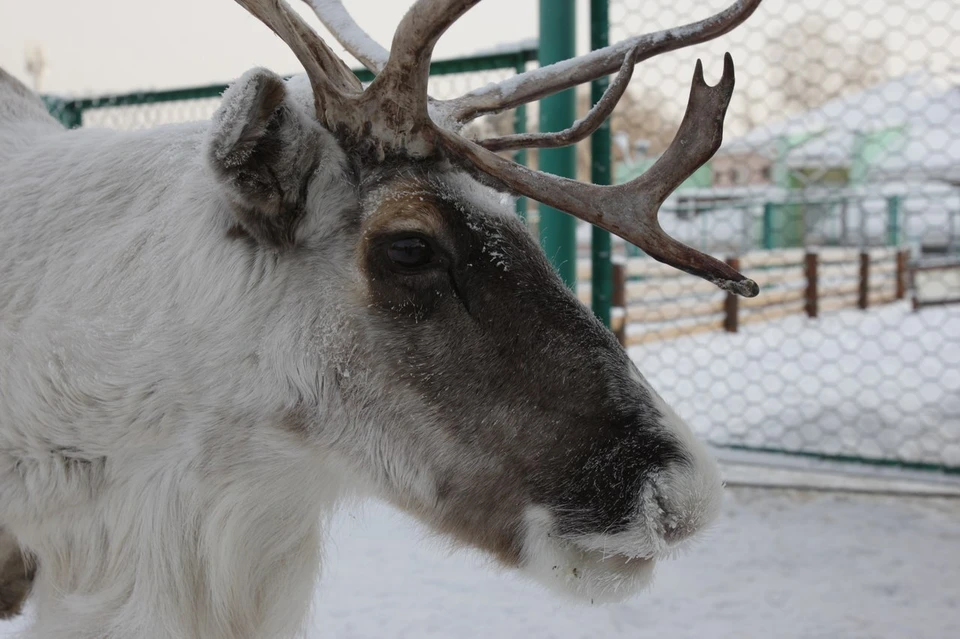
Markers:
point(212, 333)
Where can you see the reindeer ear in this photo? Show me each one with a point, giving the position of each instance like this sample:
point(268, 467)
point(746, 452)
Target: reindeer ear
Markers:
point(263, 150)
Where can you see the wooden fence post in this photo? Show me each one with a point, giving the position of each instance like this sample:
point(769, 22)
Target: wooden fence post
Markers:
point(901, 274)
point(863, 299)
point(731, 305)
point(618, 299)
point(810, 269)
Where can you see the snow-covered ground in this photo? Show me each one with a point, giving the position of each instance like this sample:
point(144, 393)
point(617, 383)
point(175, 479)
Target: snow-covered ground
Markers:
point(778, 565)
point(882, 383)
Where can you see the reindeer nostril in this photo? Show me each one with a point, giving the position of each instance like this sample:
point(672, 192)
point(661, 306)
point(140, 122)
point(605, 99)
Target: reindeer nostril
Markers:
point(674, 534)
point(682, 501)
point(675, 524)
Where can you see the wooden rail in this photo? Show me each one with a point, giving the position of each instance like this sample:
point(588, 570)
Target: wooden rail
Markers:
point(945, 276)
point(656, 302)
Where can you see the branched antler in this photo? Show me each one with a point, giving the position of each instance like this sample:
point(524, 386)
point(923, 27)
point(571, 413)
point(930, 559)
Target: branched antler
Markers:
point(580, 129)
point(393, 115)
point(354, 39)
point(395, 103)
point(630, 210)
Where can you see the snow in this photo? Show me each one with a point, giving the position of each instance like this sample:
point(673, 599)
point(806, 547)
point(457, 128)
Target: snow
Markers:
point(782, 564)
point(882, 383)
point(778, 564)
point(925, 109)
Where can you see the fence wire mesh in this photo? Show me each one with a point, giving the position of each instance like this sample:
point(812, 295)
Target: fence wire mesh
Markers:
point(135, 111)
point(837, 188)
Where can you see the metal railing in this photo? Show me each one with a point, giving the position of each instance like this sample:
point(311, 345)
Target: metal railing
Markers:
point(72, 112)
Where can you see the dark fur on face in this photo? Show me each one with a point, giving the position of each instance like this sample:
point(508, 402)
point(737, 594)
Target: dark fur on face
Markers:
point(494, 357)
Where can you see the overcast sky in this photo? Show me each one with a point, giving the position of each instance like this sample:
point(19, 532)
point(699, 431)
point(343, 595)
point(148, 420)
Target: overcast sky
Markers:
point(115, 45)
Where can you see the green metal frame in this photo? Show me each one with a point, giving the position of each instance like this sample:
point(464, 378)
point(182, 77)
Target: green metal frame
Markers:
point(520, 126)
point(70, 112)
point(893, 220)
point(847, 459)
point(558, 231)
point(601, 273)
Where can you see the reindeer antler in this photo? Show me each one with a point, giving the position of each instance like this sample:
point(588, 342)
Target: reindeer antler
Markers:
point(333, 83)
point(395, 103)
point(630, 210)
point(393, 115)
point(354, 39)
point(580, 129)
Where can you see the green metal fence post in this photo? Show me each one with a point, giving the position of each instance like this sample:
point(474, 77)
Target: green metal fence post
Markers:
point(893, 220)
point(601, 274)
point(520, 126)
point(558, 231)
point(768, 208)
point(70, 114)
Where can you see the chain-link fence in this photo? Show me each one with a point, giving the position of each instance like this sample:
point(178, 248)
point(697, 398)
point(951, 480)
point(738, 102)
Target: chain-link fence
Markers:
point(838, 189)
point(145, 109)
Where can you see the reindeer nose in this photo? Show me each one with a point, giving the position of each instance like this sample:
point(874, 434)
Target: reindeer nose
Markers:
point(687, 498)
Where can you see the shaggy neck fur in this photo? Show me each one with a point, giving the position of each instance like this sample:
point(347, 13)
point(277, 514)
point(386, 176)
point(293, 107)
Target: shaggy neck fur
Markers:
point(152, 455)
point(237, 558)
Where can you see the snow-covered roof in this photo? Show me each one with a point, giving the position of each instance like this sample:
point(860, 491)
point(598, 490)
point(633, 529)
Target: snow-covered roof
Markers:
point(918, 116)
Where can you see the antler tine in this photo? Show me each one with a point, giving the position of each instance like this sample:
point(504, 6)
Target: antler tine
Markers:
point(630, 210)
point(538, 83)
point(348, 33)
point(581, 128)
point(698, 138)
point(400, 91)
point(331, 80)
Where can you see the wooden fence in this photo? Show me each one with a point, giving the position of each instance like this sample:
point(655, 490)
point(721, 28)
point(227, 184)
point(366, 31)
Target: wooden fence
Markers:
point(935, 283)
point(656, 302)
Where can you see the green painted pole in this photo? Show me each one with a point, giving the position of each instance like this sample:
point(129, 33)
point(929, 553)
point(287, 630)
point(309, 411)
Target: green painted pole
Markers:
point(70, 115)
point(768, 225)
point(558, 231)
point(601, 273)
point(893, 220)
point(520, 126)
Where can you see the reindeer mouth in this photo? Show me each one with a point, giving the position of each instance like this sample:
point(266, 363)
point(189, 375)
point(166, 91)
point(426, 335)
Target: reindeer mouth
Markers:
point(598, 577)
point(583, 572)
point(621, 564)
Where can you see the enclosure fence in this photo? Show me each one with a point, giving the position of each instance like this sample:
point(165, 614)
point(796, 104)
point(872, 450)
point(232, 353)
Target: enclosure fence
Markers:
point(837, 188)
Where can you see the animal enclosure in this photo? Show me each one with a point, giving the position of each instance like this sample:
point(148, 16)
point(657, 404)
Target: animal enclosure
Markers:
point(837, 188)
point(842, 141)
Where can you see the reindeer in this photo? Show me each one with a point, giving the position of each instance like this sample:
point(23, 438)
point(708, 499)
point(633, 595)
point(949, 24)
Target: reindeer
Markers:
point(212, 334)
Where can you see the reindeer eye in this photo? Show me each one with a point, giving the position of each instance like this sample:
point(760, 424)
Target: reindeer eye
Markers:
point(410, 252)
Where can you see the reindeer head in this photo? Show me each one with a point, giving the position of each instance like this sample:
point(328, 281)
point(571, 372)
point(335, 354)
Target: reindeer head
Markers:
point(472, 387)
